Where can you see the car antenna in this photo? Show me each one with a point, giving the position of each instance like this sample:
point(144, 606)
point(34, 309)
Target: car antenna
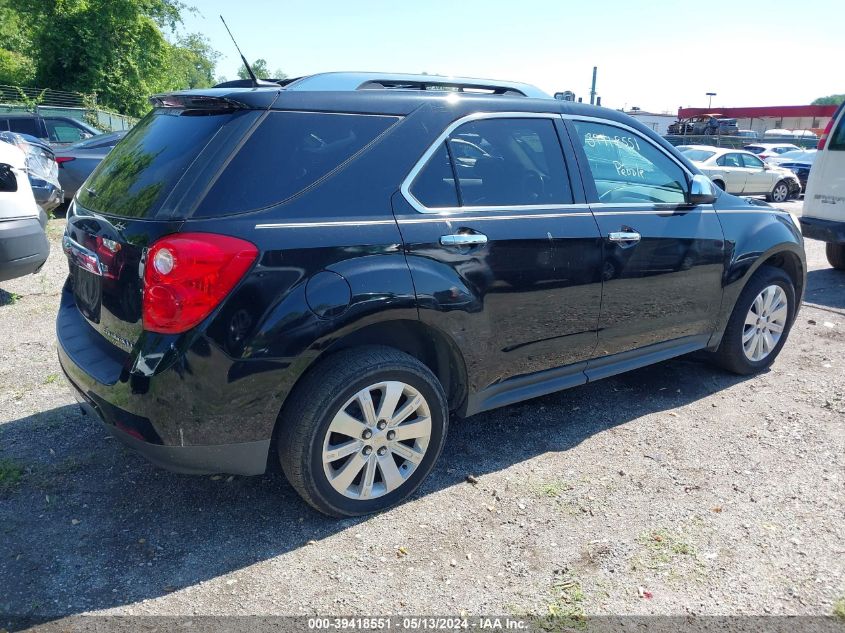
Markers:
point(252, 76)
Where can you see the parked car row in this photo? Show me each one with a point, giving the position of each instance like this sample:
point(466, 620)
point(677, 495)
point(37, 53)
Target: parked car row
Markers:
point(742, 173)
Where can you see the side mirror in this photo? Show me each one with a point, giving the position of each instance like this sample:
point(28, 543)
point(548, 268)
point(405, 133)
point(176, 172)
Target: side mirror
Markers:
point(702, 191)
point(8, 181)
point(766, 167)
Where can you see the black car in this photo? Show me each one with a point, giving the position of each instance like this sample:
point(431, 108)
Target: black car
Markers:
point(322, 277)
point(56, 130)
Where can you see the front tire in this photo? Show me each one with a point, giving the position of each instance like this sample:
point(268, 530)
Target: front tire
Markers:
point(759, 324)
point(780, 193)
point(362, 431)
point(835, 255)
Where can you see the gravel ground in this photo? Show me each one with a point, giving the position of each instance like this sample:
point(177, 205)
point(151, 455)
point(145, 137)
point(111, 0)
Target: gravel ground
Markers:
point(677, 489)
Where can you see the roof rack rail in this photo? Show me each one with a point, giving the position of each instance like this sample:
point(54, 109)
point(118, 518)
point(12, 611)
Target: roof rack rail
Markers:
point(342, 81)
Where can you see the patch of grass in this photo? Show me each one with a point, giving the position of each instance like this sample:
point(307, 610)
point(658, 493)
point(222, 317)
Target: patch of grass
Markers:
point(10, 473)
point(553, 489)
point(565, 610)
point(839, 608)
point(662, 547)
point(50, 379)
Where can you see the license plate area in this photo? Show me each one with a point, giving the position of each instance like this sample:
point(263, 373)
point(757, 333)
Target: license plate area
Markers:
point(88, 292)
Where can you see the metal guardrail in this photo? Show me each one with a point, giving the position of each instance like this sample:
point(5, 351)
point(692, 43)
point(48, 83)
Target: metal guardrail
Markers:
point(738, 142)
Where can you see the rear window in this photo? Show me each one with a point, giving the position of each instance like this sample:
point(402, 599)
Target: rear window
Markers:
point(135, 178)
point(698, 155)
point(25, 126)
point(287, 153)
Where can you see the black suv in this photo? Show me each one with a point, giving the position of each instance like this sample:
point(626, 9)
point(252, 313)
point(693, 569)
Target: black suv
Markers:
point(57, 130)
point(322, 277)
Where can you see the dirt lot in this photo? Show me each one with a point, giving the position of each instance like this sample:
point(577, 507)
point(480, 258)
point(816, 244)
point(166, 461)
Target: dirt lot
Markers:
point(676, 489)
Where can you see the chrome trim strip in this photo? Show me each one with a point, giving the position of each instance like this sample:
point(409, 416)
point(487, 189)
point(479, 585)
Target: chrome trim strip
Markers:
point(317, 225)
point(476, 116)
point(430, 218)
point(468, 218)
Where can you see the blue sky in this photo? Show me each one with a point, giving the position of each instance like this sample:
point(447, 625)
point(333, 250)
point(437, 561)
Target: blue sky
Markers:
point(657, 55)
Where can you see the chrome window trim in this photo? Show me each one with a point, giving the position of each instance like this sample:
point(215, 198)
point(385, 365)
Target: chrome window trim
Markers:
point(476, 116)
point(611, 123)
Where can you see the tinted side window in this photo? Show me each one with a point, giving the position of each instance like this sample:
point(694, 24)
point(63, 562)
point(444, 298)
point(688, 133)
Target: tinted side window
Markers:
point(25, 126)
point(509, 162)
point(434, 187)
point(752, 161)
point(62, 132)
point(627, 168)
point(289, 152)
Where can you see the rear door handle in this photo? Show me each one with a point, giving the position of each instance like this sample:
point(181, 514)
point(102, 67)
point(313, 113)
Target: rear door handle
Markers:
point(463, 239)
point(624, 236)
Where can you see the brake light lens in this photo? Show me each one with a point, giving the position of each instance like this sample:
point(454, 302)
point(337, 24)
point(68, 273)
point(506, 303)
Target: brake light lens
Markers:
point(187, 275)
point(64, 159)
point(826, 133)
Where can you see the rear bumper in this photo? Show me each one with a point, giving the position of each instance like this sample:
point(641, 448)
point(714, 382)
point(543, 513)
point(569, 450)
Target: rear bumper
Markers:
point(140, 416)
point(23, 247)
point(823, 230)
point(244, 458)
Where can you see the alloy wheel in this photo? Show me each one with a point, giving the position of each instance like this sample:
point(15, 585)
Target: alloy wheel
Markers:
point(765, 323)
point(376, 440)
point(780, 193)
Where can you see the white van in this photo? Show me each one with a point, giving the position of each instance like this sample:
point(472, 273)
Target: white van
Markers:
point(823, 217)
point(23, 244)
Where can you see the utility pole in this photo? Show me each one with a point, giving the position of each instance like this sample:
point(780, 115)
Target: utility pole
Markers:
point(593, 88)
point(710, 101)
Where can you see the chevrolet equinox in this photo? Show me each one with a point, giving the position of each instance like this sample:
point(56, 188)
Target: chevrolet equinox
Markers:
point(321, 273)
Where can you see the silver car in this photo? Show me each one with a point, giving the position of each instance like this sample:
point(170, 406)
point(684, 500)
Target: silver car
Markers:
point(742, 173)
point(77, 161)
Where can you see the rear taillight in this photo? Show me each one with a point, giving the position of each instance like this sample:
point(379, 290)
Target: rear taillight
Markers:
point(64, 159)
point(826, 133)
point(187, 275)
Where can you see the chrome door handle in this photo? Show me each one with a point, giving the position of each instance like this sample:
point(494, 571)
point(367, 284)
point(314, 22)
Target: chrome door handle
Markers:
point(463, 239)
point(624, 236)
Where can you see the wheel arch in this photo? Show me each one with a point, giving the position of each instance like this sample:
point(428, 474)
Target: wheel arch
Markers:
point(787, 256)
point(434, 348)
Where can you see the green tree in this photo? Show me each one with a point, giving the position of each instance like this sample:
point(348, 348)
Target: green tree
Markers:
point(831, 100)
point(261, 70)
point(16, 65)
point(259, 67)
point(192, 62)
point(116, 49)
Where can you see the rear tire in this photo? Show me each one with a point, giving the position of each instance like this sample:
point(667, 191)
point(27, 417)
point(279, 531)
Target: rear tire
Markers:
point(753, 321)
point(835, 255)
point(351, 407)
